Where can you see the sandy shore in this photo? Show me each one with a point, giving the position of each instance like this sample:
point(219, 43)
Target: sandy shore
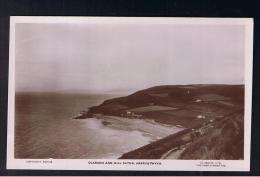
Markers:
point(148, 128)
point(110, 137)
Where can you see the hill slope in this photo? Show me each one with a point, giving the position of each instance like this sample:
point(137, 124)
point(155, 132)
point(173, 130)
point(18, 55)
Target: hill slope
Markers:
point(222, 139)
point(187, 105)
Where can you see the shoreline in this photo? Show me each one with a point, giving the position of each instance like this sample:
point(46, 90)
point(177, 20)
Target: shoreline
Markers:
point(148, 128)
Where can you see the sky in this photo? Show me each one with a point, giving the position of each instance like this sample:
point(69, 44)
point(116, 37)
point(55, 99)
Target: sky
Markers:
point(107, 57)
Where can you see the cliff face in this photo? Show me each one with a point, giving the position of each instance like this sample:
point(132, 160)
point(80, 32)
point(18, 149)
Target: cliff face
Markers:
point(212, 115)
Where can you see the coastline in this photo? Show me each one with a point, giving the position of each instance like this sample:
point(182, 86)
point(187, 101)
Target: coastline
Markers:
point(149, 128)
point(141, 132)
point(203, 112)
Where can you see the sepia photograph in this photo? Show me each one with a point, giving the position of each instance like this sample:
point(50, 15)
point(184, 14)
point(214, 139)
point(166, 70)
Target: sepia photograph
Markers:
point(130, 93)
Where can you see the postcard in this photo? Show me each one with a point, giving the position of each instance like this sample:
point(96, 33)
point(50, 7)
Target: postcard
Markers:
point(130, 93)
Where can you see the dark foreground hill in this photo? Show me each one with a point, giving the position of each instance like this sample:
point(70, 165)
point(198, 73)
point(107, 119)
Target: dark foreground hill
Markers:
point(212, 117)
point(222, 139)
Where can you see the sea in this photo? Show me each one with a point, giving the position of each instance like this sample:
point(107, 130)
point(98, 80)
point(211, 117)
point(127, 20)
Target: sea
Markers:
point(44, 128)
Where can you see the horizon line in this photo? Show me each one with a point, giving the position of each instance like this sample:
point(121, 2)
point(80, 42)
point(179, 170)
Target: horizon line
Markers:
point(111, 91)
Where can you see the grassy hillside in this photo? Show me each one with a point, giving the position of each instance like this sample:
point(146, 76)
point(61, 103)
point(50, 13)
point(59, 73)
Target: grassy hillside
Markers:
point(177, 105)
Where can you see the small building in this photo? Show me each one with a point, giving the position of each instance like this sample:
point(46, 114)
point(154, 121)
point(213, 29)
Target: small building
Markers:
point(201, 116)
point(129, 114)
point(198, 100)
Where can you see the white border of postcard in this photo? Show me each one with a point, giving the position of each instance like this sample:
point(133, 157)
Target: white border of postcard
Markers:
point(140, 165)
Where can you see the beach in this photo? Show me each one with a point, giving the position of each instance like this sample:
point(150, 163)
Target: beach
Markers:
point(147, 127)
